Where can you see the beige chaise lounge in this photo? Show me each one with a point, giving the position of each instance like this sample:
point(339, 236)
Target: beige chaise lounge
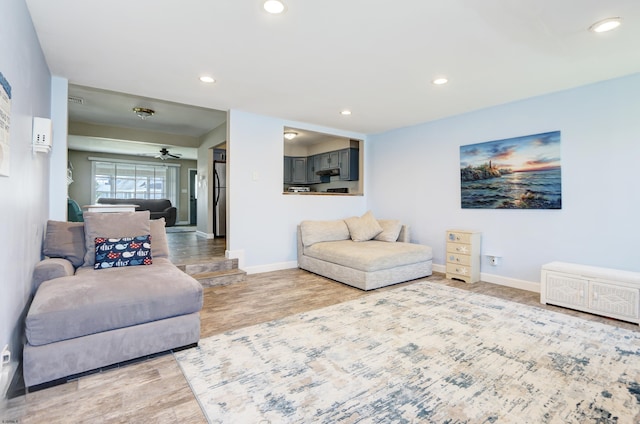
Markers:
point(362, 252)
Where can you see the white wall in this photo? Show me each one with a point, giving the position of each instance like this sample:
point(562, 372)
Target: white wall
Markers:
point(25, 193)
point(417, 179)
point(262, 220)
point(58, 192)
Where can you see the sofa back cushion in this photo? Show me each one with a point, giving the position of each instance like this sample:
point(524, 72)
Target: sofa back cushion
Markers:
point(313, 232)
point(363, 228)
point(159, 245)
point(65, 240)
point(390, 230)
point(153, 205)
point(112, 225)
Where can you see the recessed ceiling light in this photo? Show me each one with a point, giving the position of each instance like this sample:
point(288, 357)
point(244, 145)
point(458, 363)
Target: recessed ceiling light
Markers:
point(274, 6)
point(440, 81)
point(345, 112)
point(606, 25)
point(207, 79)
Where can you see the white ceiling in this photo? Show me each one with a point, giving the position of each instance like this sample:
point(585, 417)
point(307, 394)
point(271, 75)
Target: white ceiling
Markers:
point(116, 109)
point(374, 57)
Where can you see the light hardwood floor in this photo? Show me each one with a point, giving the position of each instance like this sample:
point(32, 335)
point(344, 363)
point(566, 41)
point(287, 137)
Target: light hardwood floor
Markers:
point(155, 391)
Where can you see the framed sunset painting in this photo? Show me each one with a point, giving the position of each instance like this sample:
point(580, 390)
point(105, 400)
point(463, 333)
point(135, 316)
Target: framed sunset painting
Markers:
point(515, 173)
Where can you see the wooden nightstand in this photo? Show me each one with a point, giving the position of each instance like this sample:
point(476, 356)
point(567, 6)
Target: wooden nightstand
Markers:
point(463, 255)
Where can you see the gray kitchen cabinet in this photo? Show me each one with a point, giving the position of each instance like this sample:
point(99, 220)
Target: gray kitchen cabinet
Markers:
point(330, 160)
point(313, 165)
point(295, 170)
point(287, 169)
point(349, 164)
point(303, 169)
point(298, 170)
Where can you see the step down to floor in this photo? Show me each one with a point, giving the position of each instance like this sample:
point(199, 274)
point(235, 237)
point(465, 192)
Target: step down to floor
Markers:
point(209, 266)
point(214, 272)
point(220, 278)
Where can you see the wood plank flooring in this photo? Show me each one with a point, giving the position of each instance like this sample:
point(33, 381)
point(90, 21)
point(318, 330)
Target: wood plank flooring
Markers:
point(154, 390)
point(187, 247)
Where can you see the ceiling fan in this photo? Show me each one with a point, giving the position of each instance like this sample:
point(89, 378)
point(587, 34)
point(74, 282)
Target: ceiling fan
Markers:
point(164, 154)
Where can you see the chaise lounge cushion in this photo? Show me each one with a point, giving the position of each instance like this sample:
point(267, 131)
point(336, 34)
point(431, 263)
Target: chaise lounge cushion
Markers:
point(65, 240)
point(390, 230)
point(94, 301)
point(159, 242)
point(363, 228)
point(371, 255)
point(313, 232)
point(112, 225)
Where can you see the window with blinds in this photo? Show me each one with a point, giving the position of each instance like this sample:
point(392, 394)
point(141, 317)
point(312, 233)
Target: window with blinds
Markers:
point(129, 180)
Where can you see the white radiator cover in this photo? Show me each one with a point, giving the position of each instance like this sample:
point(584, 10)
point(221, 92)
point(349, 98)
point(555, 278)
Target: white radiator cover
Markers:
point(601, 291)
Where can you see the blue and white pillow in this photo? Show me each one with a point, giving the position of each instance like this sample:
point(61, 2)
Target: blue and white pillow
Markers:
point(124, 251)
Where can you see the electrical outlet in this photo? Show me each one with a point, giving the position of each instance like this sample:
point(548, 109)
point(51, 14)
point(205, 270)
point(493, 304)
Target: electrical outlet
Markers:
point(6, 355)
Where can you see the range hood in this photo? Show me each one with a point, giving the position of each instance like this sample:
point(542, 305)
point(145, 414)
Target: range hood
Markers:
point(328, 172)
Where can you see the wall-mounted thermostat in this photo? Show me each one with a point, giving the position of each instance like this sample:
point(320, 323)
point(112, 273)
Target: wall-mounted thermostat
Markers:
point(42, 137)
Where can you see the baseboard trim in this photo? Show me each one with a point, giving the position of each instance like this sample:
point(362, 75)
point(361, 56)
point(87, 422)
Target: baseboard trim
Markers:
point(500, 280)
point(511, 282)
point(270, 267)
point(439, 268)
point(7, 374)
point(205, 235)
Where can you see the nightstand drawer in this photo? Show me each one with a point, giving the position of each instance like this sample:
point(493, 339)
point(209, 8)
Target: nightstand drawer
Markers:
point(459, 269)
point(458, 259)
point(459, 237)
point(459, 248)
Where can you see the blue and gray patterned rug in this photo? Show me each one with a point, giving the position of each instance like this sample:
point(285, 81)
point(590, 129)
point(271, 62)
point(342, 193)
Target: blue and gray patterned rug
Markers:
point(421, 353)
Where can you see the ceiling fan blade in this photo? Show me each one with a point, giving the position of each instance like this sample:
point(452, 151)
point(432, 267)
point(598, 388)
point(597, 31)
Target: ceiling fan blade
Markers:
point(164, 154)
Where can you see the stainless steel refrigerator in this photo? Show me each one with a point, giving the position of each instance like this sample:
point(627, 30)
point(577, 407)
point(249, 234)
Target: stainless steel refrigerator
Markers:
point(219, 198)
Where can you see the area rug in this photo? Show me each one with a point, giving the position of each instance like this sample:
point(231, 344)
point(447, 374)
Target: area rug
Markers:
point(421, 353)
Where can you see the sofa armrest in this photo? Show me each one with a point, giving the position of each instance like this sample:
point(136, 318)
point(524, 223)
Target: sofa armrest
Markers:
point(405, 235)
point(300, 246)
point(171, 214)
point(51, 268)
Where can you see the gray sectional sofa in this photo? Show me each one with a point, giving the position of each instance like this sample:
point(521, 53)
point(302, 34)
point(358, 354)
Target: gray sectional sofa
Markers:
point(362, 252)
point(84, 317)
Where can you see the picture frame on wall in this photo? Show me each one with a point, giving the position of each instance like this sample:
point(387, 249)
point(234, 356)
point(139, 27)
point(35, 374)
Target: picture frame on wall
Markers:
point(5, 123)
point(515, 173)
